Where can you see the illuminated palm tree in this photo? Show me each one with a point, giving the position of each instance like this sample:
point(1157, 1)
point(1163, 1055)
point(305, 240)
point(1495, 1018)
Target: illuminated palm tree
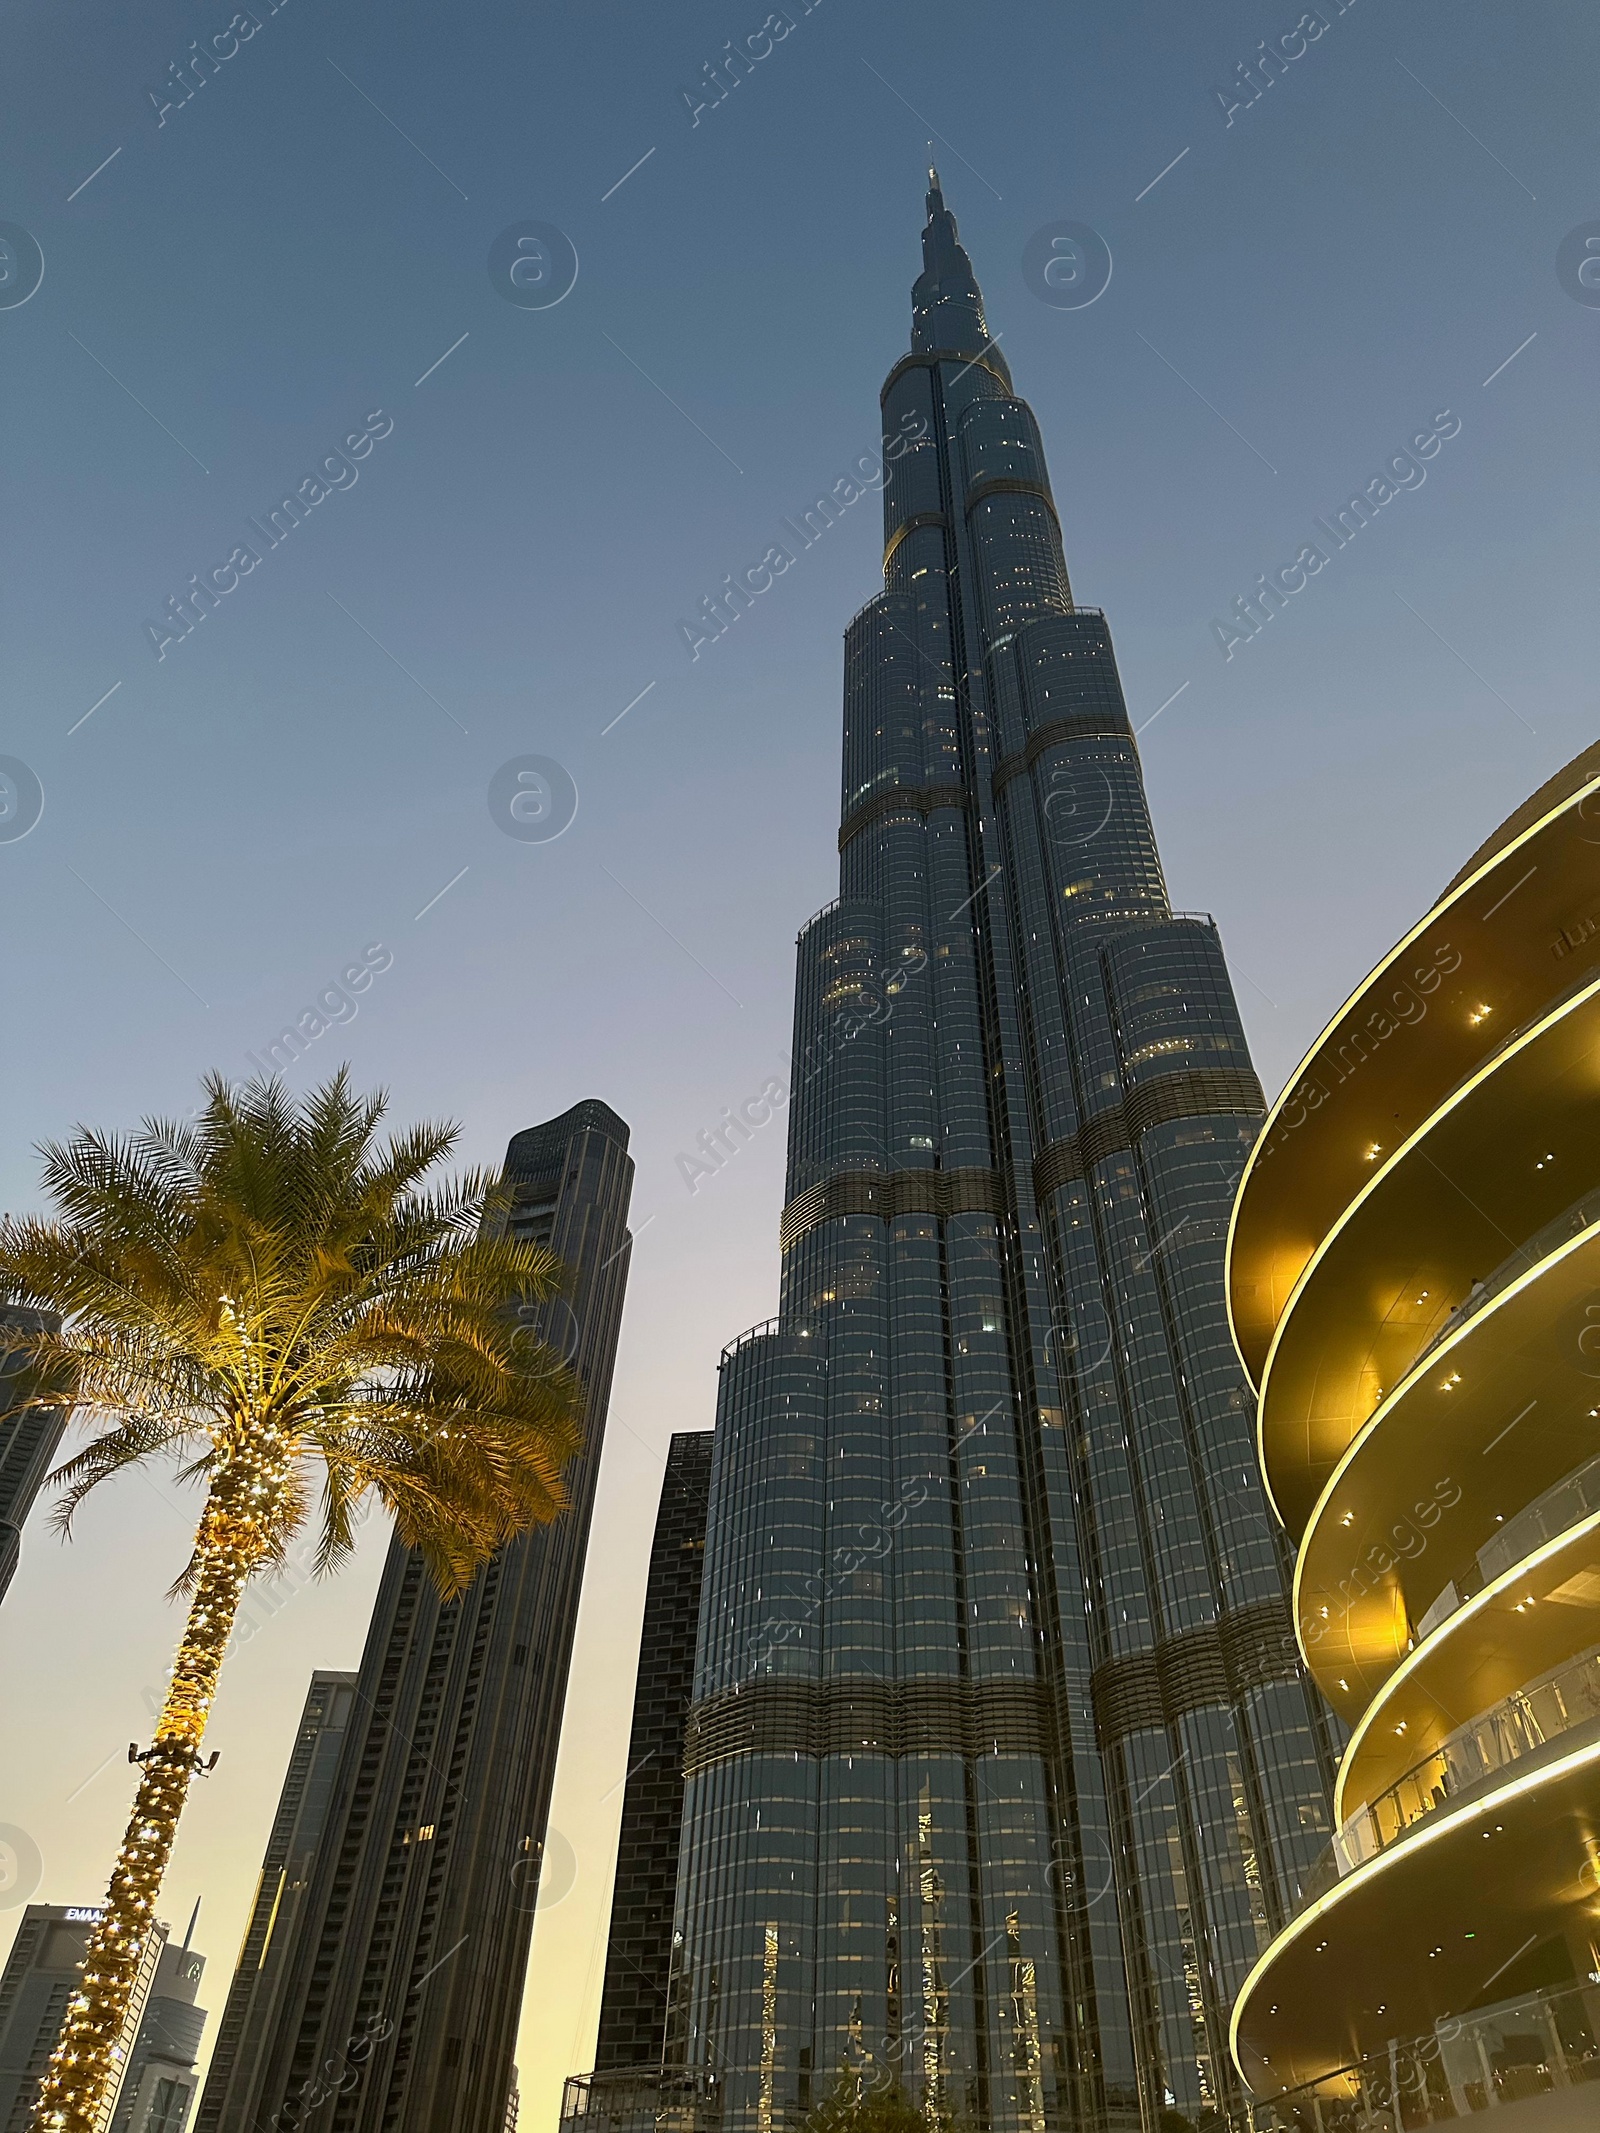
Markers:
point(270, 1295)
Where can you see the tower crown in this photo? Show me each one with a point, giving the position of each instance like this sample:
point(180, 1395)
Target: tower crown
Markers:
point(946, 302)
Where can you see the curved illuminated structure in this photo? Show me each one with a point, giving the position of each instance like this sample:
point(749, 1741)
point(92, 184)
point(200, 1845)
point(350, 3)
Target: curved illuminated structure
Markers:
point(1414, 1283)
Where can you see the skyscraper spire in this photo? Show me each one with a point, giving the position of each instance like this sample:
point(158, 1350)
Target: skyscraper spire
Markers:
point(946, 302)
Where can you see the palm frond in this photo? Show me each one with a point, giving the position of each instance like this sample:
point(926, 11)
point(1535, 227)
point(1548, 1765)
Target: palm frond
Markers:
point(134, 1440)
point(271, 1281)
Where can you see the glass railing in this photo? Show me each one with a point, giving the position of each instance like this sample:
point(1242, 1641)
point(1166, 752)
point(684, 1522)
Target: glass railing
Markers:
point(1492, 2057)
point(639, 2099)
point(1565, 1504)
point(1321, 1875)
point(1575, 1497)
point(1519, 1725)
point(1571, 1222)
point(767, 1327)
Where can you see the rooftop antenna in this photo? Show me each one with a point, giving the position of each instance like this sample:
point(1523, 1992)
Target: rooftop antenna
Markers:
point(189, 1929)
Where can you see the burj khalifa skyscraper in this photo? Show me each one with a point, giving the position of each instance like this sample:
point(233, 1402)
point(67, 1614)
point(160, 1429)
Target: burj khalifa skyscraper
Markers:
point(1001, 1767)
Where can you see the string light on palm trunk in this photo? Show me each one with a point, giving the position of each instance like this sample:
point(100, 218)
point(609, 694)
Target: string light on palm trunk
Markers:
point(263, 1291)
point(73, 2096)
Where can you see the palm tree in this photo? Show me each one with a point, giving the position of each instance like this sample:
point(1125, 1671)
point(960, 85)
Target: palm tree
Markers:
point(269, 1294)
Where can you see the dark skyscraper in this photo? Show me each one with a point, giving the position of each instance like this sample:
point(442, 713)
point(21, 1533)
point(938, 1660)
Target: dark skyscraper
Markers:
point(160, 2081)
point(633, 2006)
point(405, 1967)
point(1001, 1768)
point(28, 1443)
point(250, 2018)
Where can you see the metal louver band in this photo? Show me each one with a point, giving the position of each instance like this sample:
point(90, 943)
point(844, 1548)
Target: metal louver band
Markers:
point(895, 1192)
point(1213, 1665)
point(913, 524)
point(1198, 1092)
point(899, 800)
point(931, 358)
point(1109, 724)
point(838, 1717)
point(1008, 485)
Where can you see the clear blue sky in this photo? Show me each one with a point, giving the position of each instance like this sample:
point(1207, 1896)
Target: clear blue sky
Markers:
point(1298, 296)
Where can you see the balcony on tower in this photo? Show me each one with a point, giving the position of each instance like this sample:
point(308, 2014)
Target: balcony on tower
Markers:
point(1413, 1271)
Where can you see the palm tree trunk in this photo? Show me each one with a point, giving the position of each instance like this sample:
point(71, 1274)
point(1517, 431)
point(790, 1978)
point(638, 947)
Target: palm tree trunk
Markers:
point(79, 2085)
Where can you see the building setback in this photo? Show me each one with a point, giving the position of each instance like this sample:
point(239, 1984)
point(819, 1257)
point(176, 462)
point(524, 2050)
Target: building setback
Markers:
point(1001, 1767)
point(404, 1970)
point(250, 2017)
point(633, 2005)
point(28, 1441)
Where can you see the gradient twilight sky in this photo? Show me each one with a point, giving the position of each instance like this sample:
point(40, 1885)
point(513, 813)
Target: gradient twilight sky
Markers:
point(1372, 243)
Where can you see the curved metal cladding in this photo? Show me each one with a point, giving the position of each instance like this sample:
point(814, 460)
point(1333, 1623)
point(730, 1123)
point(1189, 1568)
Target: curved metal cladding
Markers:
point(1414, 1274)
point(1001, 1768)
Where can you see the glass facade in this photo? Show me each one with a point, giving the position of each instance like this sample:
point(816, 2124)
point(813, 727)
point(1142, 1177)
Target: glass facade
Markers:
point(633, 2003)
point(250, 2015)
point(160, 2081)
point(28, 1440)
point(1001, 1767)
